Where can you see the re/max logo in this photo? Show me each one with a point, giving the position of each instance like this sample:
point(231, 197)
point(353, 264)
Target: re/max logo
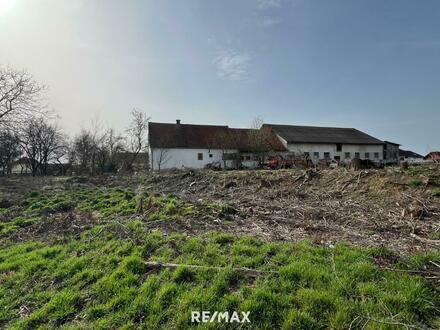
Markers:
point(207, 317)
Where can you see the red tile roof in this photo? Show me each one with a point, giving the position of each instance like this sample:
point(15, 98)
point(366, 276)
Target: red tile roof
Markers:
point(435, 155)
point(164, 135)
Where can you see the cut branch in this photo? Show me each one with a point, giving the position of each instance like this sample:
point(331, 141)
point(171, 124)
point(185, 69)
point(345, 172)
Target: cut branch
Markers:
point(247, 271)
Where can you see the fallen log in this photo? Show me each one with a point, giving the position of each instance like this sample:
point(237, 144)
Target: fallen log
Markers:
point(246, 271)
point(431, 242)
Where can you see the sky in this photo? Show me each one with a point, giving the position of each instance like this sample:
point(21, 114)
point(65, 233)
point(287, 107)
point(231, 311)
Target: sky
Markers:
point(369, 64)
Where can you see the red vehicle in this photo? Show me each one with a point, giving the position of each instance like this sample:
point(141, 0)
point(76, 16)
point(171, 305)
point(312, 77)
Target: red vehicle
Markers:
point(276, 162)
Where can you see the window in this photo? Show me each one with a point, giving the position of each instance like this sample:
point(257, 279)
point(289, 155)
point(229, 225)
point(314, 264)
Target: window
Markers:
point(357, 155)
point(338, 158)
point(210, 155)
point(367, 155)
point(339, 147)
point(326, 155)
point(248, 157)
point(347, 155)
point(376, 155)
point(316, 154)
point(200, 156)
point(307, 154)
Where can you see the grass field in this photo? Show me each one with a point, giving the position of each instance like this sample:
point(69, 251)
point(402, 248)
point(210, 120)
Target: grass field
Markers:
point(102, 281)
point(100, 277)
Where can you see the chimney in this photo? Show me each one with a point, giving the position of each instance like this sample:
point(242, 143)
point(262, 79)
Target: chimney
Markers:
point(178, 121)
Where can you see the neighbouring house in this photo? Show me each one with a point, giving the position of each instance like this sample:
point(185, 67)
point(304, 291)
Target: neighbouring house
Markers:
point(328, 143)
point(410, 157)
point(391, 153)
point(433, 157)
point(180, 145)
point(21, 166)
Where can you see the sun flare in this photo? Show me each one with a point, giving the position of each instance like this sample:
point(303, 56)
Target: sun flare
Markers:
point(6, 5)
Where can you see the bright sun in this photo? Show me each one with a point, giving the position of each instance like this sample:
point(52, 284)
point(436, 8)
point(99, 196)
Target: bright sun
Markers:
point(6, 5)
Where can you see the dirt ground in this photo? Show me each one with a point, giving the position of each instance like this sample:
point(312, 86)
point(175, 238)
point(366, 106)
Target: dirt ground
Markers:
point(390, 207)
point(368, 207)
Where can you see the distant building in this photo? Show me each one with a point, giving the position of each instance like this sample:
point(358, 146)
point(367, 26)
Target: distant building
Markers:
point(433, 157)
point(327, 143)
point(122, 159)
point(410, 157)
point(21, 166)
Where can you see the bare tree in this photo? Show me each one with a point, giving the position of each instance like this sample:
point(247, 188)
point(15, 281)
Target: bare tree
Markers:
point(108, 144)
point(41, 142)
point(260, 139)
point(162, 157)
point(9, 150)
point(20, 96)
point(82, 151)
point(137, 134)
point(226, 140)
point(94, 150)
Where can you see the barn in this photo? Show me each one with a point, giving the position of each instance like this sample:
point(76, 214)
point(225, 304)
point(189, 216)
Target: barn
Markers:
point(328, 143)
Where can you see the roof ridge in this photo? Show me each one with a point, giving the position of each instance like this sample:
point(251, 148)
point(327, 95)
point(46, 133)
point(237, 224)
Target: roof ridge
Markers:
point(181, 124)
point(307, 126)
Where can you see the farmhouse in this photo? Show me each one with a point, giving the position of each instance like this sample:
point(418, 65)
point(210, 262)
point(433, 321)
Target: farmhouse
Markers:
point(198, 146)
point(340, 144)
point(180, 145)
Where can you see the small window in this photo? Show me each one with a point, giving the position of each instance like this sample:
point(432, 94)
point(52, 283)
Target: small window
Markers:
point(248, 157)
point(347, 155)
point(376, 155)
point(210, 155)
point(339, 147)
point(338, 158)
point(367, 155)
point(357, 155)
point(307, 154)
point(316, 154)
point(326, 155)
point(200, 156)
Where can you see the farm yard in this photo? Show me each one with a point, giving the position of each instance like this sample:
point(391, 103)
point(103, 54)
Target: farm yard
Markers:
point(298, 249)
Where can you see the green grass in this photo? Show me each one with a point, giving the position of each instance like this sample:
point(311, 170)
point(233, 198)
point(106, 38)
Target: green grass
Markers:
point(102, 202)
point(416, 183)
point(100, 281)
point(435, 192)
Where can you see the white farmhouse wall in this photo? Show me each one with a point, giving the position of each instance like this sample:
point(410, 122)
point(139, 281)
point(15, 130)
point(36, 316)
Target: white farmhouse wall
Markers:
point(412, 160)
point(311, 148)
point(185, 158)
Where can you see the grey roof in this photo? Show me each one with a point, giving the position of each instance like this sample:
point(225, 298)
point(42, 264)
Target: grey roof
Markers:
point(409, 154)
point(311, 134)
point(393, 143)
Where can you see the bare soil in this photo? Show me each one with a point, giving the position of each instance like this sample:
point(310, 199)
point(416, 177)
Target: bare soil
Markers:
point(367, 208)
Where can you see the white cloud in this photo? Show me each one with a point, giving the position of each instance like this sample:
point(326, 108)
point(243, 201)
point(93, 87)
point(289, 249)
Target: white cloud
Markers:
point(267, 22)
point(263, 4)
point(233, 65)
